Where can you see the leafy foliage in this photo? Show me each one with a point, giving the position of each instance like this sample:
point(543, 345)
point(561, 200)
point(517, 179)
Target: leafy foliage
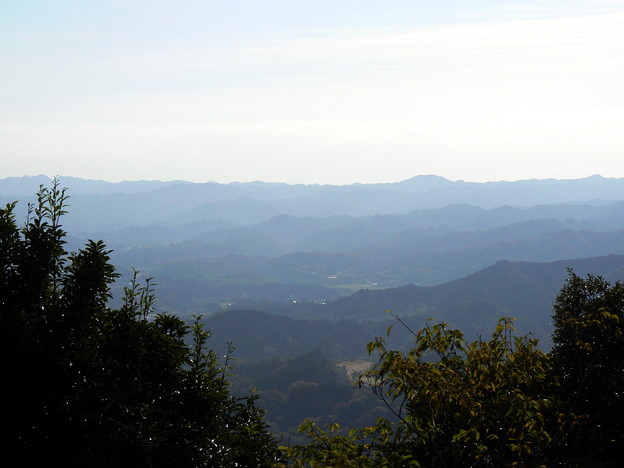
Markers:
point(306, 387)
point(483, 403)
point(501, 402)
point(98, 387)
point(477, 404)
point(367, 447)
point(588, 356)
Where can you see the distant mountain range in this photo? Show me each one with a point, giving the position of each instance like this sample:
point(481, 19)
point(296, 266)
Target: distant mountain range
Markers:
point(259, 244)
point(99, 205)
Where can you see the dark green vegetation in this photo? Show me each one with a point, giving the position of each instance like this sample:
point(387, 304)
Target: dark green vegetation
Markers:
point(588, 358)
point(89, 386)
point(307, 387)
point(497, 402)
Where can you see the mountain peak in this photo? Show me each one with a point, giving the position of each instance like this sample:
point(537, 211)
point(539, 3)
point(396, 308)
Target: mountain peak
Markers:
point(422, 183)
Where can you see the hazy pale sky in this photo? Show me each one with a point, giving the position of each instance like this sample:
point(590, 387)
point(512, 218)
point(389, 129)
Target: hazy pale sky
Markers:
point(312, 91)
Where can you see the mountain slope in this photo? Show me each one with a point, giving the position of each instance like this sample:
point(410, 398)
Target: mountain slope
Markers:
point(522, 290)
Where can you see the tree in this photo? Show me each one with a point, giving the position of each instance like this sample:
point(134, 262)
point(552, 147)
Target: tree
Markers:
point(90, 386)
point(485, 403)
point(501, 402)
point(588, 356)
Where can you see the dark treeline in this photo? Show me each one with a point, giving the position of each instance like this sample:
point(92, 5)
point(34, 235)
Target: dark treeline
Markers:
point(89, 386)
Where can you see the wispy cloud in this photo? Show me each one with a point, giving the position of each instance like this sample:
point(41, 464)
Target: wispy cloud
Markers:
point(450, 99)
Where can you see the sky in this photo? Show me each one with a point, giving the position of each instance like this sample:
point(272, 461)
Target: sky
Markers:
point(311, 91)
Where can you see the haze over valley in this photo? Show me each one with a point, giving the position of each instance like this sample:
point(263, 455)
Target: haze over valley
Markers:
point(426, 247)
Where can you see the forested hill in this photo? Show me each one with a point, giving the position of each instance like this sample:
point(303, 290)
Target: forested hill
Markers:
point(523, 290)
